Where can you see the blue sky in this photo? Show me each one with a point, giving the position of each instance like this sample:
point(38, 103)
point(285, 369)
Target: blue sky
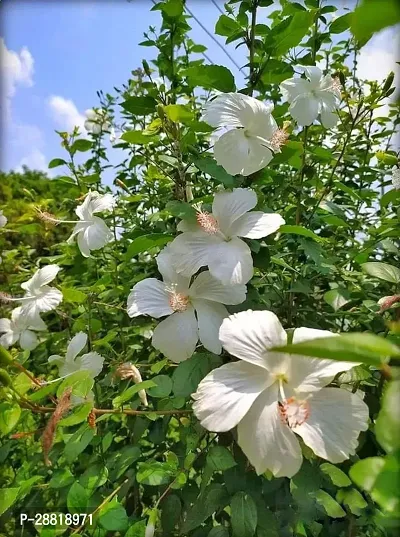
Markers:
point(55, 55)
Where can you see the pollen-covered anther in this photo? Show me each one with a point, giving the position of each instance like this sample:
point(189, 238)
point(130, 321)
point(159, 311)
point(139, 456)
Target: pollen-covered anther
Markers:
point(279, 138)
point(48, 218)
point(336, 86)
point(178, 301)
point(207, 222)
point(5, 297)
point(294, 412)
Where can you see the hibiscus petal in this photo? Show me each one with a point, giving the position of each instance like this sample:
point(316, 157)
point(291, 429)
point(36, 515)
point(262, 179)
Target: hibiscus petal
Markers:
point(336, 419)
point(48, 300)
point(311, 374)
point(177, 336)
point(75, 346)
point(304, 109)
point(249, 334)
point(231, 262)
point(191, 251)
point(28, 340)
point(314, 75)
point(5, 325)
point(293, 87)
point(97, 234)
point(229, 206)
point(329, 117)
point(41, 277)
point(83, 245)
point(149, 297)
point(167, 269)
point(92, 361)
point(209, 288)
point(56, 359)
point(267, 442)
point(226, 394)
point(234, 110)
point(209, 317)
point(8, 339)
point(232, 151)
point(256, 224)
point(104, 202)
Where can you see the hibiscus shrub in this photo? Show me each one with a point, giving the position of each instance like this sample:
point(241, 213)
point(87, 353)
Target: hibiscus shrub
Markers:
point(207, 343)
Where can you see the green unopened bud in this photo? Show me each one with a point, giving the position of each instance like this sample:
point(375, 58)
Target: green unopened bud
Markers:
point(160, 111)
point(388, 82)
point(146, 68)
point(151, 523)
point(342, 78)
point(5, 357)
point(5, 379)
point(386, 158)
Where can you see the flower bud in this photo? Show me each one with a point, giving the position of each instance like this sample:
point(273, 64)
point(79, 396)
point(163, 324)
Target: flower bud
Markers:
point(5, 357)
point(5, 379)
point(129, 371)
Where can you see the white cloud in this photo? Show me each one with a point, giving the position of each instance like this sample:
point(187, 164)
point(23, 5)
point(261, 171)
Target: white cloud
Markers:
point(378, 57)
point(34, 160)
point(65, 113)
point(17, 69)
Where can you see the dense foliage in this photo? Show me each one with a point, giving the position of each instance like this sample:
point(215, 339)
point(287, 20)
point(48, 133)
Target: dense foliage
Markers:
point(117, 438)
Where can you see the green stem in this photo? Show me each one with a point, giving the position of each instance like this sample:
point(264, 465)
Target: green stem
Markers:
point(251, 44)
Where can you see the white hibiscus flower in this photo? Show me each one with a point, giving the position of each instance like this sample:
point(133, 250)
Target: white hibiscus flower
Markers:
point(96, 121)
point(194, 311)
point(313, 96)
point(92, 232)
point(91, 361)
point(214, 241)
point(39, 296)
point(253, 136)
point(396, 177)
point(271, 396)
point(3, 219)
point(20, 328)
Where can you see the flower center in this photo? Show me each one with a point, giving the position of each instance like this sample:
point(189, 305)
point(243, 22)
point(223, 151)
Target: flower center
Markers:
point(178, 301)
point(207, 222)
point(294, 412)
point(278, 139)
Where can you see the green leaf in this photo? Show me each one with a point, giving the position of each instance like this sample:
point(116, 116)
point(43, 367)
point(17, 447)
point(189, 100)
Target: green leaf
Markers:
point(179, 113)
point(243, 515)
point(9, 416)
point(154, 473)
point(379, 476)
point(77, 443)
point(79, 414)
point(171, 513)
point(214, 498)
point(341, 24)
point(210, 77)
point(81, 383)
point(81, 145)
point(351, 347)
point(172, 8)
point(300, 230)
point(113, 517)
point(335, 474)
point(387, 425)
point(91, 179)
point(181, 209)
point(371, 16)
point(77, 499)
point(137, 137)
point(219, 458)
point(337, 298)
point(56, 162)
point(189, 373)
point(219, 531)
point(130, 392)
point(61, 478)
point(137, 530)
point(289, 33)
point(331, 507)
point(146, 242)
point(209, 165)
point(95, 476)
point(73, 296)
point(384, 271)
point(352, 499)
point(276, 71)
point(140, 106)
point(162, 386)
point(7, 498)
point(226, 26)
